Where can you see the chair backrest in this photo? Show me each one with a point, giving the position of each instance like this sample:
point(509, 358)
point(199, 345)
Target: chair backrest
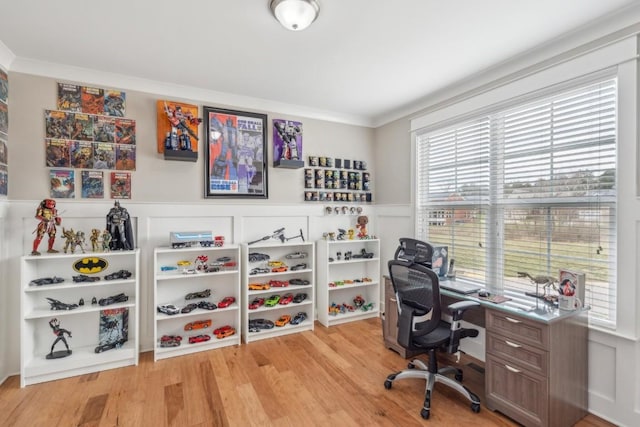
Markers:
point(414, 250)
point(417, 292)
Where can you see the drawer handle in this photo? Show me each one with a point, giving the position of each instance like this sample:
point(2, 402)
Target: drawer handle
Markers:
point(393, 300)
point(512, 344)
point(517, 371)
point(512, 320)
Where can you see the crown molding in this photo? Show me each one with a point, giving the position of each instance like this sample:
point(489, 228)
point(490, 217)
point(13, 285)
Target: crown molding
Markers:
point(6, 57)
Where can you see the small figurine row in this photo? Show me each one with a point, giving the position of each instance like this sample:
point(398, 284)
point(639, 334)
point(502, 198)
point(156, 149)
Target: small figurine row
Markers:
point(118, 234)
point(344, 210)
point(348, 255)
point(58, 305)
point(359, 303)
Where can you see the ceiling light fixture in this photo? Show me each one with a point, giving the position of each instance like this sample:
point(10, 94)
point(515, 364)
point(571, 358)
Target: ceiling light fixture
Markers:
point(295, 15)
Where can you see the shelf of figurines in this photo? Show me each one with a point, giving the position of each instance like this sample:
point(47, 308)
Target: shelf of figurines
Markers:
point(339, 180)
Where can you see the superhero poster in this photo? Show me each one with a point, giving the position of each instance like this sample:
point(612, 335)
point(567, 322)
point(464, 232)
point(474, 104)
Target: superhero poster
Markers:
point(125, 131)
point(69, 97)
point(104, 156)
point(287, 140)
point(92, 100)
point(236, 163)
point(120, 185)
point(115, 102)
point(57, 153)
point(81, 153)
point(104, 129)
point(92, 185)
point(125, 157)
point(62, 184)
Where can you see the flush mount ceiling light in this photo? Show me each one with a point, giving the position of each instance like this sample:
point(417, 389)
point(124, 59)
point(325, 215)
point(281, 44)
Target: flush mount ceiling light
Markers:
point(295, 15)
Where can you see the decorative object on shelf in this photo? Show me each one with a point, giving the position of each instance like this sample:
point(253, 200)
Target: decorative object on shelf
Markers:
point(114, 329)
point(278, 234)
point(47, 214)
point(235, 154)
point(59, 333)
point(120, 229)
point(287, 144)
point(295, 15)
point(361, 225)
point(177, 127)
point(4, 128)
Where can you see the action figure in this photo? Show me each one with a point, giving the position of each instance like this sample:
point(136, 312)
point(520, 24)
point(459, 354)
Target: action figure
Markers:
point(178, 120)
point(49, 219)
point(106, 241)
point(95, 236)
point(288, 132)
point(361, 225)
point(59, 333)
point(119, 226)
point(79, 241)
point(70, 237)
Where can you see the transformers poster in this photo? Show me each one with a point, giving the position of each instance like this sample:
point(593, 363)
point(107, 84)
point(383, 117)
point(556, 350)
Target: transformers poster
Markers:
point(92, 185)
point(62, 184)
point(287, 140)
point(236, 153)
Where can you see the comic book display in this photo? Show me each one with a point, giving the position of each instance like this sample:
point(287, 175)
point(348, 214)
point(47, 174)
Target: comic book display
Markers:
point(92, 185)
point(4, 127)
point(114, 329)
point(62, 183)
point(120, 185)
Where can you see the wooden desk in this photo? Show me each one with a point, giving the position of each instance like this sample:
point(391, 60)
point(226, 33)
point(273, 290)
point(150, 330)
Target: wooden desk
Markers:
point(536, 363)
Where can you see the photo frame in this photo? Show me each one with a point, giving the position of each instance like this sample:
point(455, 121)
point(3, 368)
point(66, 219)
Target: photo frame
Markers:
point(235, 154)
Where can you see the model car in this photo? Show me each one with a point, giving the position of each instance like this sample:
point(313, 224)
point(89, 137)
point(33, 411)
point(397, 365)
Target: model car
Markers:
point(109, 345)
point(202, 294)
point(348, 307)
point(278, 283)
point(207, 305)
point(121, 274)
point(273, 264)
point(299, 282)
point(189, 308)
point(256, 303)
point(367, 307)
point(259, 286)
point(170, 341)
point(168, 268)
point(286, 299)
point(272, 301)
point(299, 318)
point(259, 270)
point(298, 298)
point(221, 329)
point(283, 320)
point(121, 297)
point(226, 333)
point(255, 325)
point(58, 305)
point(296, 255)
point(301, 266)
point(223, 259)
point(169, 309)
point(199, 338)
point(257, 257)
point(183, 263)
point(280, 269)
point(226, 302)
point(363, 254)
point(84, 278)
point(46, 281)
point(198, 324)
point(230, 264)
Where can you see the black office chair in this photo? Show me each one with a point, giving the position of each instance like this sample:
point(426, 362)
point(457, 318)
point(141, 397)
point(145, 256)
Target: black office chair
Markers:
point(420, 328)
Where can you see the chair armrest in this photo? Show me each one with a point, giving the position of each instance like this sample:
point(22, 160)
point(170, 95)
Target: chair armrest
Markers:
point(457, 309)
point(457, 331)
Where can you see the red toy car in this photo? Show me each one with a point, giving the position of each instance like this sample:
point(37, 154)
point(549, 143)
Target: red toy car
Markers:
point(256, 303)
point(198, 324)
point(278, 283)
point(199, 338)
point(224, 331)
point(280, 269)
point(226, 302)
point(286, 299)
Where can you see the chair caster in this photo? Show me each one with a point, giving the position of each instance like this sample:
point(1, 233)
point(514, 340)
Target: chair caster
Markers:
point(387, 384)
point(459, 376)
point(475, 407)
point(411, 365)
point(424, 413)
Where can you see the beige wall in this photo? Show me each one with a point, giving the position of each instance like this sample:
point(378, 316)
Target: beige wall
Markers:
point(158, 180)
point(393, 163)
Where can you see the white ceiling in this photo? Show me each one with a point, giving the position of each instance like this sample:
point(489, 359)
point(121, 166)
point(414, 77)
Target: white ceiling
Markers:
point(367, 59)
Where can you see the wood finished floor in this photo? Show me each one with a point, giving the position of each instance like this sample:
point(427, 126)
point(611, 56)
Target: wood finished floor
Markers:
point(328, 377)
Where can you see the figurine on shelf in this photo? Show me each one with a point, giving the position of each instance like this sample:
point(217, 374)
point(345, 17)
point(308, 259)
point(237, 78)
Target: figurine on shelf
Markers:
point(181, 134)
point(351, 232)
point(49, 219)
point(59, 333)
point(106, 241)
point(69, 239)
point(119, 226)
point(79, 241)
point(361, 225)
point(95, 236)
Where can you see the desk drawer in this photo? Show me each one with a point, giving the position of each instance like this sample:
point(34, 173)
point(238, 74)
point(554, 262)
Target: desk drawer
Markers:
point(532, 359)
point(524, 331)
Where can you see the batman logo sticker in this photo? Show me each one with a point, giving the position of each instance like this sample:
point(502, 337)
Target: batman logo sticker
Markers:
point(90, 265)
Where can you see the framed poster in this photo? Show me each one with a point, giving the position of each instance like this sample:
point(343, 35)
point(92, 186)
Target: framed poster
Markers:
point(236, 154)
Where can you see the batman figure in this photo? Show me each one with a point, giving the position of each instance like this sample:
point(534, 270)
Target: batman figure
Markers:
point(119, 226)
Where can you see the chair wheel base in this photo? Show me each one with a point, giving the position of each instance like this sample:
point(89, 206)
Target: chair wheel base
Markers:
point(425, 414)
point(387, 384)
point(475, 407)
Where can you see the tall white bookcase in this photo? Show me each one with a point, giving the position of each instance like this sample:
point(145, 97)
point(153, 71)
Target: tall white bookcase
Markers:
point(347, 269)
point(172, 285)
point(277, 252)
point(83, 322)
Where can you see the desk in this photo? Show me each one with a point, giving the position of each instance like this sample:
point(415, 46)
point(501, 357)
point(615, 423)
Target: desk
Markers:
point(535, 364)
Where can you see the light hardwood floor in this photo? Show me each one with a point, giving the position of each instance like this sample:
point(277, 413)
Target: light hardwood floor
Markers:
point(328, 377)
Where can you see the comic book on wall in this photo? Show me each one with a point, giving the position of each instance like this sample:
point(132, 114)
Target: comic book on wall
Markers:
point(113, 331)
point(57, 153)
point(4, 118)
point(81, 153)
point(69, 97)
point(4, 180)
point(125, 131)
point(92, 184)
point(104, 155)
point(125, 157)
point(4, 86)
point(115, 102)
point(104, 129)
point(82, 127)
point(4, 151)
point(58, 124)
point(573, 281)
point(92, 100)
point(62, 183)
point(120, 185)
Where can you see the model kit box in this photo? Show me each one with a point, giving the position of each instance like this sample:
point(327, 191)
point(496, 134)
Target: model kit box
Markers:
point(573, 281)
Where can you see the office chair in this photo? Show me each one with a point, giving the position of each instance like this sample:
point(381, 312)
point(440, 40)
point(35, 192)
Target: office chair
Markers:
point(420, 327)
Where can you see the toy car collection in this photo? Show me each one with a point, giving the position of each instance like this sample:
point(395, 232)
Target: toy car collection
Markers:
point(296, 255)
point(226, 302)
point(199, 338)
point(189, 308)
point(274, 264)
point(286, 299)
point(121, 297)
point(169, 309)
point(257, 257)
point(272, 301)
point(121, 274)
point(46, 281)
point(256, 303)
point(256, 325)
point(278, 283)
point(283, 320)
point(224, 331)
point(259, 270)
point(298, 298)
point(58, 305)
point(202, 294)
point(301, 266)
point(84, 278)
point(207, 305)
point(170, 341)
point(279, 269)
point(259, 286)
point(299, 282)
point(299, 318)
point(198, 324)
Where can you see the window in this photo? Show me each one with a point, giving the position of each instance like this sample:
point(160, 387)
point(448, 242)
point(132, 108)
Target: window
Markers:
point(531, 188)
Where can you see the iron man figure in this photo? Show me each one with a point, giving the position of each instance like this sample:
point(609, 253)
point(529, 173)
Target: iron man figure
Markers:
point(49, 219)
